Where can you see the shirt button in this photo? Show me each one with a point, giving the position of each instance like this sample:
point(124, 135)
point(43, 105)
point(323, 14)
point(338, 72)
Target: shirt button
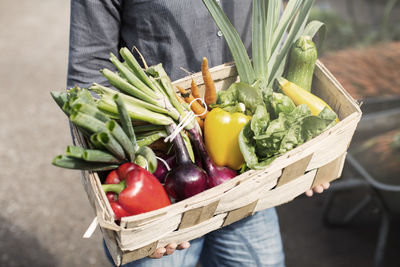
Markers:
point(219, 33)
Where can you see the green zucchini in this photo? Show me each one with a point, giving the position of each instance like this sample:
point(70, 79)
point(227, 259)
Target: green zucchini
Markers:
point(302, 59)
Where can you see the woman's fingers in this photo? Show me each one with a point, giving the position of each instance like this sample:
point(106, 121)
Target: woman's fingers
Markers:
point(317, 189)
point(170, 248)
point(309, 193)
point(158, 253)
point(326, 185)
point(183, 245)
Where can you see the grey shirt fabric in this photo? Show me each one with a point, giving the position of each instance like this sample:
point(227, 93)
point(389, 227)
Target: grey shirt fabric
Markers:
point(176, 33)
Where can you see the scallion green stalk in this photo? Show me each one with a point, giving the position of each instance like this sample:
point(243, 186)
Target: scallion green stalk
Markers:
point(111, 144)
point(125, 120)
point(136, 113)
point(74, 152)
point(91, 110)
point(123, 85)
point(87, 122)
point(118, 133)
point(92, 155)
point(78, 164)
point(149, 138)
point(108, 93)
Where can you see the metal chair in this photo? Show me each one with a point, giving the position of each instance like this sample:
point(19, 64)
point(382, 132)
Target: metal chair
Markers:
point(388, 197)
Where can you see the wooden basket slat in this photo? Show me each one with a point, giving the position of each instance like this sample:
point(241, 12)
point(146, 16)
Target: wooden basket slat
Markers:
point(294, 170)
point(237, 214)
point(330, 171)
point(328, 88)
point(242, 196)
point(332, 147)
point(149, 233)
point(286, 192)
point(128, 256)
point(198, 215)
point(195, 231)
point(109, 237)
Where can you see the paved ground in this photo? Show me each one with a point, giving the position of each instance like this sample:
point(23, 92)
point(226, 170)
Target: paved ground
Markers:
point(44, 210)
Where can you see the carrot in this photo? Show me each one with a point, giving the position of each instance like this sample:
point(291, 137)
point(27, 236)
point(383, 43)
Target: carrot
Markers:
point(180, 99)
point(210, 96)
point(195, 106)
point(201, 122)
point(195, 91)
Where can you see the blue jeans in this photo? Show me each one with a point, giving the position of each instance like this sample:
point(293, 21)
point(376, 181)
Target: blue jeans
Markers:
point(253, 241)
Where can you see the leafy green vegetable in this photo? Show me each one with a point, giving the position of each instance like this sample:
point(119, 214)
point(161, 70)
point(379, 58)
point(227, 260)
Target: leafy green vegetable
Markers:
point(262, 139)
point(281, 103)
point(241, 93)
point(247, 145)
point(260, 120)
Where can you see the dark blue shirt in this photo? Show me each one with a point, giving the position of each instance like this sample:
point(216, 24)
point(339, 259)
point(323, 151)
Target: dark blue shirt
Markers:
point(176, 33)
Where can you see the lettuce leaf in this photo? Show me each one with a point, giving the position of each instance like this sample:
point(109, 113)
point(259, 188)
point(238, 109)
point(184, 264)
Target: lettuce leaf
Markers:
point(262, 140)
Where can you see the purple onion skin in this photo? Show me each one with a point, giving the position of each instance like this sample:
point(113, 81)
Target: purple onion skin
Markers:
point(216, 174)
point(161, 171)
point(185, 180)
point(220, 175)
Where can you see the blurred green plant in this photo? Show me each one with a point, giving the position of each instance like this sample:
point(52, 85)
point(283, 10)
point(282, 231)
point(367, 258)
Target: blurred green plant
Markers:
point(343, 33)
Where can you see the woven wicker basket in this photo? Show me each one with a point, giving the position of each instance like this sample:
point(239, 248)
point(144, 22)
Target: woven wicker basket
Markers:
point(314, 162)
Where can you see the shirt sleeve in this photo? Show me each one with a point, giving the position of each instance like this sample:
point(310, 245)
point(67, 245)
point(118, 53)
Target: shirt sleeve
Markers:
point(94, 33)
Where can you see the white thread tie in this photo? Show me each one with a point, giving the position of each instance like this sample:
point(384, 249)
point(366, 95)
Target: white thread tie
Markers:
point(186, 120)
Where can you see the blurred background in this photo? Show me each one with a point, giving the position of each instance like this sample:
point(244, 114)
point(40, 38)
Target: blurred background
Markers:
point(44, 210)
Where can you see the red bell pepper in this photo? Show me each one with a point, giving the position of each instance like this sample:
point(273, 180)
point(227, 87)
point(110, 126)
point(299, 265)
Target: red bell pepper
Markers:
point(139, 192)
point(111, 179)
point(119, 212)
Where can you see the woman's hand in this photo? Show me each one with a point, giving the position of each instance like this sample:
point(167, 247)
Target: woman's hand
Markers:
point(317, 189)
point(169, 249)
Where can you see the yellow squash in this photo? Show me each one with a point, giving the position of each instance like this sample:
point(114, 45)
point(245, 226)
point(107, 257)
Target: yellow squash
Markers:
point(302, 96)
point(221, 133)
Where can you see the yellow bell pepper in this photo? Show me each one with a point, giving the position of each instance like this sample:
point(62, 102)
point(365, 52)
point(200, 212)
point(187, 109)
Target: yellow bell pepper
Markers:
point(221, 133)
